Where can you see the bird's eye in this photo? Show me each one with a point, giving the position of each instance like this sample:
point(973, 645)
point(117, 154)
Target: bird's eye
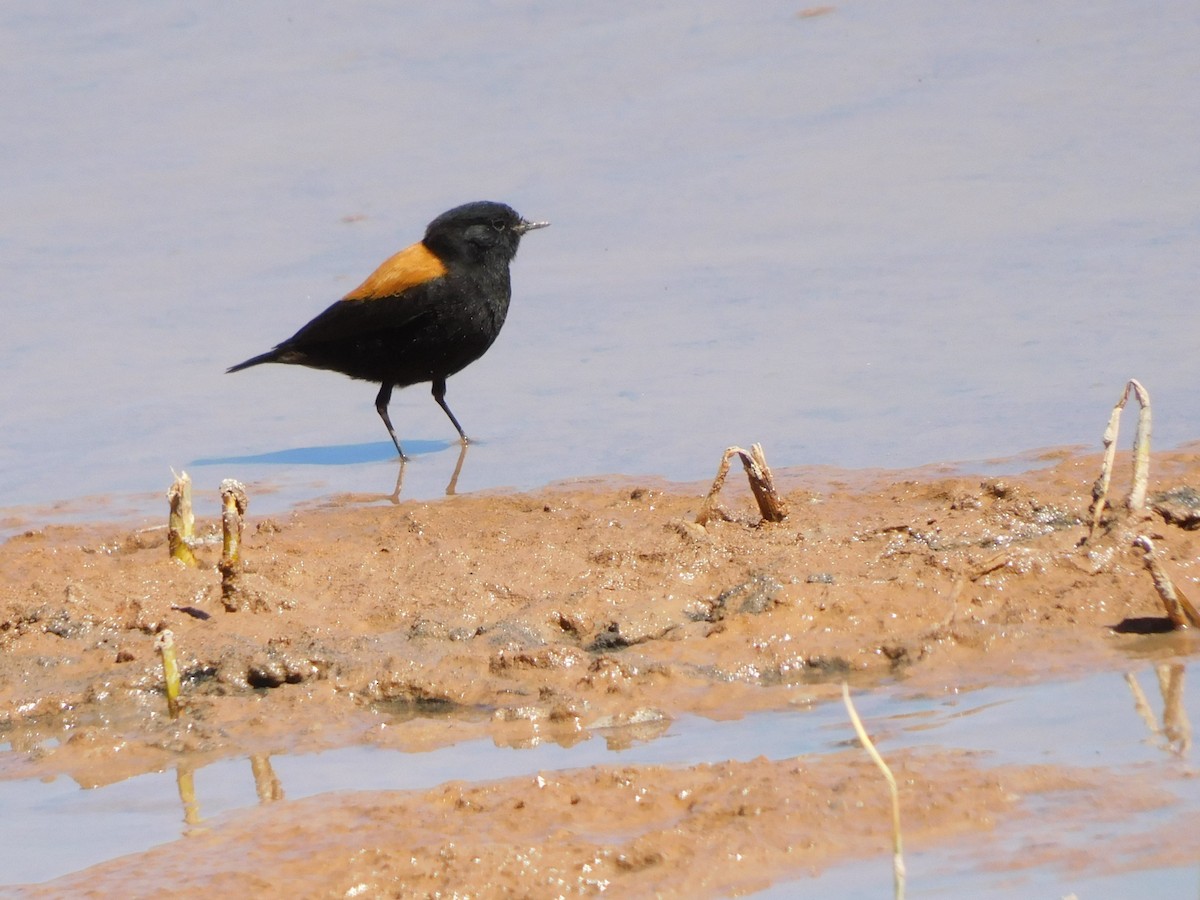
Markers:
point(498, 224)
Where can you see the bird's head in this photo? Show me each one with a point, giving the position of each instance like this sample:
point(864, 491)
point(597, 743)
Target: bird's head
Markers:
point(483, 231)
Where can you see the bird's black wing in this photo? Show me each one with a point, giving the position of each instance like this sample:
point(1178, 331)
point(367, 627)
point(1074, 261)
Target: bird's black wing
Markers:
point(352, 319)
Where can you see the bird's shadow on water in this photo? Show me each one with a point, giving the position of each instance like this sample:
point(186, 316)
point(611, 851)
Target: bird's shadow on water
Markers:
point(351, 454)
point(335, 455)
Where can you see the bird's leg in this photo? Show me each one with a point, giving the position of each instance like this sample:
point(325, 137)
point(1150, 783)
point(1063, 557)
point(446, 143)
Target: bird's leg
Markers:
point(439, 394)
point(381, 405)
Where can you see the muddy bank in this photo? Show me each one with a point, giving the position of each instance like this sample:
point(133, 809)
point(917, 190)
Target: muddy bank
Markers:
point(546, 616)
point(637, 831)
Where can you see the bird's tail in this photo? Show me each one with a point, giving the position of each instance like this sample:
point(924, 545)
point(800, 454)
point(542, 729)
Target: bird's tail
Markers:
point(269, 356)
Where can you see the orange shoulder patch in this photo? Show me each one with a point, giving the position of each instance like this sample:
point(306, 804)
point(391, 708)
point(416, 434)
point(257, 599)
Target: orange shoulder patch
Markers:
point(411, 266)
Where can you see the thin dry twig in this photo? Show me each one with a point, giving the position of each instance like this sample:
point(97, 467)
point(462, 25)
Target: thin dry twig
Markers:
point(1136, 500)
point(989, 565)
point(898, 868)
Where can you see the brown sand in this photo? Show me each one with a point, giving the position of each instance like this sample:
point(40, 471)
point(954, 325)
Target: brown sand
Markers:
point(542, 616)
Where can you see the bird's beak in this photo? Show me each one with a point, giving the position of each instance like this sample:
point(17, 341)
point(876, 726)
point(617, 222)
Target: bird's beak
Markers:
point(524, 226)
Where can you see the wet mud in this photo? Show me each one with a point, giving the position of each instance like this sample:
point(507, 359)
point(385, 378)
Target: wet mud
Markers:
point(557, 615)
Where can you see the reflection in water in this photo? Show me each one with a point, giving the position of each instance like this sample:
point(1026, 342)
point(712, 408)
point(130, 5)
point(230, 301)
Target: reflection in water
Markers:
point(524, 730)
point(266, 782)
point(125, 809)
point(267, 786)
point(185, 781)
point(1176, 730)
point(637, 732)
point(451, 488)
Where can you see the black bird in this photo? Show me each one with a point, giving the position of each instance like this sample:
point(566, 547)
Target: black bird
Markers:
point(427, 312)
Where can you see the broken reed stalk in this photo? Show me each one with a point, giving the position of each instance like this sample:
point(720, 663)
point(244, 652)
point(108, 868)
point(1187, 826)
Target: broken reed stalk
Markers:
point(710, 505)
point(1179, 609)
point(1141, 456)
point(898, 869)
point(165, 645)
point(181, 522)
point(771, 504)
point(233, 522)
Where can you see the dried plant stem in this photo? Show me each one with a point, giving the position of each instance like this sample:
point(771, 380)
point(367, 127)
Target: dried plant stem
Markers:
point(1141, 456)
point(898, 869)
point(1179, 609)
point(165, 645)
point(181, 522)
point(233, 515)
point(710, 506)
point(233, 520)
point(1141, 450)
point(771, 505)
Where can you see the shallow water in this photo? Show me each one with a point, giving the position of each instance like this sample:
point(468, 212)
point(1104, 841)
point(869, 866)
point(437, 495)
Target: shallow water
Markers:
point(55, 827)
point(885, 235)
